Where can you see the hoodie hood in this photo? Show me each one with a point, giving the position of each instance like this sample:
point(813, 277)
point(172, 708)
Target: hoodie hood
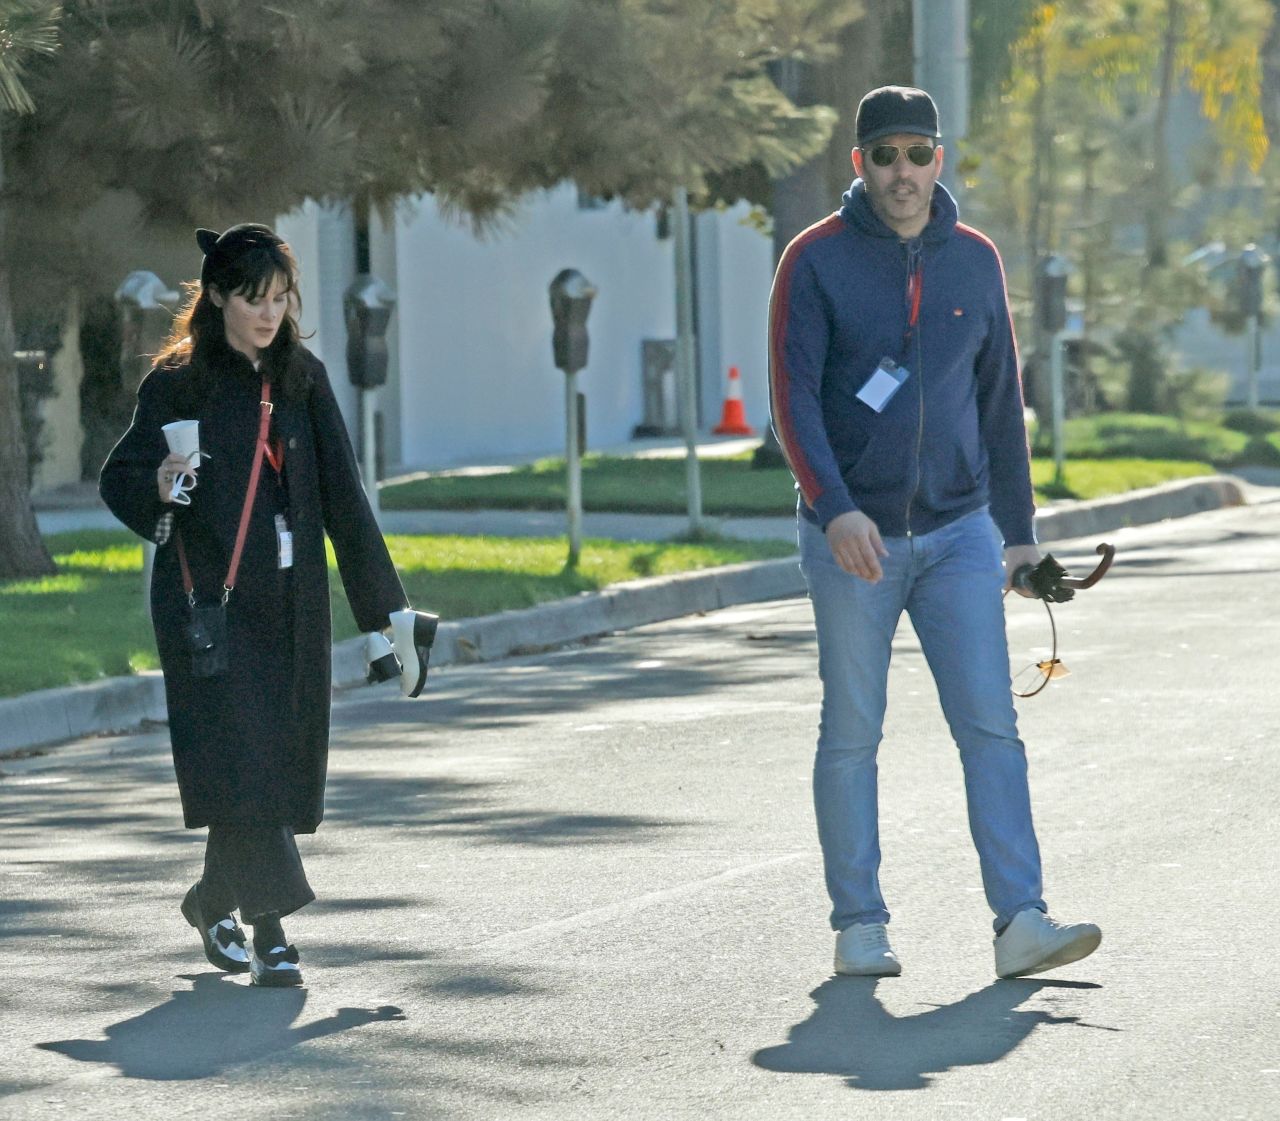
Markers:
point(858, 212)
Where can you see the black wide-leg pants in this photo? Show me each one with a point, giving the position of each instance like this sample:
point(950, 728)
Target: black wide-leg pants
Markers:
point(255, 869)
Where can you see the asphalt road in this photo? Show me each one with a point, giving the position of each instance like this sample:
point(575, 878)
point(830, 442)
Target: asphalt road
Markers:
point(586, 885)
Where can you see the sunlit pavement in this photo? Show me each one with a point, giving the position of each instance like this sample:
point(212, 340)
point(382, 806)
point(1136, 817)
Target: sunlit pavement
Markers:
point(586, 885)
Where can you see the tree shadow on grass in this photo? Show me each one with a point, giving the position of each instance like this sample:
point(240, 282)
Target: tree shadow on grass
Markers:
point(215, 1025)
point(851, 1034)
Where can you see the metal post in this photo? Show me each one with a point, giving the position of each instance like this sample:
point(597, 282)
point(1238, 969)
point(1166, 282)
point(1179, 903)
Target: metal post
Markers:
point(369, 451)
point(685, 372)
point(571, 295)
point(573, 457)
point(940, 32)
point(1252, 267)
point(1057, 380)
point(1255, 358)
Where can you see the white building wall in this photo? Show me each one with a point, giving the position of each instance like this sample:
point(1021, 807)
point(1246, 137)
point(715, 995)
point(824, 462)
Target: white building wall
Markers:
point(1200, 342)
point(476, 373)
point(744, 262)
point(62, 433)
point(323, 240)
point(472, 376)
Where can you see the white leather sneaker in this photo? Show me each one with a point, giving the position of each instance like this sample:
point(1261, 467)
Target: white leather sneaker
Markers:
point(863, 950)
point(1034, 943)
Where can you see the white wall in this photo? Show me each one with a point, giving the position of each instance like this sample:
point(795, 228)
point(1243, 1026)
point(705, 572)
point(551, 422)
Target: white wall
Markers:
point(476, 372)
point(323, 240)
point(472, 376)
point(61, 432)
point(740, 300)
point(1199, 342)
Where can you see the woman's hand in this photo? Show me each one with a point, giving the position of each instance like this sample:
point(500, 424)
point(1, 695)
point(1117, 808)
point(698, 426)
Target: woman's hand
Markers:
point(167, 475)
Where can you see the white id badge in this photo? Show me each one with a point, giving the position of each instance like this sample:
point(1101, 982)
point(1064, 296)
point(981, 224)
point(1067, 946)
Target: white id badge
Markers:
point(883, 384)
point(284, 541)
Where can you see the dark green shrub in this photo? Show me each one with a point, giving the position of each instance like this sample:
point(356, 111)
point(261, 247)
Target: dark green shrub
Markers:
point(1252, 422)
point(1261, 451)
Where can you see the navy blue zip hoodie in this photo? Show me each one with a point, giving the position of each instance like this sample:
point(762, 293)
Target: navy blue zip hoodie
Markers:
point(952, 438)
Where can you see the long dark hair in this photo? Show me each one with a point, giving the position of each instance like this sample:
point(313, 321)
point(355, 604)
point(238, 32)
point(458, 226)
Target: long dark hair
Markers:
point(199, 334)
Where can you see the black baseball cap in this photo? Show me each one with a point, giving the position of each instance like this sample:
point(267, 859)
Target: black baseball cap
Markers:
point(892, 109)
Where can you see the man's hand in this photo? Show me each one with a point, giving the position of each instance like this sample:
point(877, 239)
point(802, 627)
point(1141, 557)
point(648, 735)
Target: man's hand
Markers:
point(1014, 558)
point(856, 545)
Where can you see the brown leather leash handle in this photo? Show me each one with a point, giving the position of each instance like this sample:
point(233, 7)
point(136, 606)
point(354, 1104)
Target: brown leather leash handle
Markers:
point(1108, 554)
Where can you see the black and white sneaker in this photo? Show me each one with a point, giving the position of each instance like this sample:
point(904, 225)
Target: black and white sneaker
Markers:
point(414, 632)
point(276, 969)
point(224, 940)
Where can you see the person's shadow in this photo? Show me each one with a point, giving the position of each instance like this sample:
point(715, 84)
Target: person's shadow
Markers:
point(850, 1033)
point(216, 1024)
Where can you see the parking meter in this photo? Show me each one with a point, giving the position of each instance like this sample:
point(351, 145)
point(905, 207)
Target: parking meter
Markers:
point(571, 296)
point(367, 305)
point(1052, 283)
point(1253, 263)
point(144, 317)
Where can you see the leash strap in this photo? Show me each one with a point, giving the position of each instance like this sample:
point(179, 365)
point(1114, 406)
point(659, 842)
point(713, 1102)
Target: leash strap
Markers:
point(255, 472)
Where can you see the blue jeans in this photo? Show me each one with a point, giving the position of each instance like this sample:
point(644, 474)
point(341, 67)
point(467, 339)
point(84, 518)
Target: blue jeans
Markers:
point(949, 582)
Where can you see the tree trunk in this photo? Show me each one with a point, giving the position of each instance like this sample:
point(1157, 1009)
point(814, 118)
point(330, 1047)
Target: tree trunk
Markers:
point(22, 550)
point(1038, 389)
point(1158, 198)
point(1271, 77)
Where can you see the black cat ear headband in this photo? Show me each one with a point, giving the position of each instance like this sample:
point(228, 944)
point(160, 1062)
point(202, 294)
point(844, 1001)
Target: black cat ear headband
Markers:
point(220, 249)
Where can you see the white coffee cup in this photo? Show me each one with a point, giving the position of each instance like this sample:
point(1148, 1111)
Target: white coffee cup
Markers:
point(183, 438)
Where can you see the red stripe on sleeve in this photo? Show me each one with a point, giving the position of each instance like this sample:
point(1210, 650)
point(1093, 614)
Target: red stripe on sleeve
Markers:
point(780, 382)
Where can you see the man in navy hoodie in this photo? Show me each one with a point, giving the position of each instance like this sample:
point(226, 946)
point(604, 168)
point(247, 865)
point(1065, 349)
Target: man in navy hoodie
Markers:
point(897, 402)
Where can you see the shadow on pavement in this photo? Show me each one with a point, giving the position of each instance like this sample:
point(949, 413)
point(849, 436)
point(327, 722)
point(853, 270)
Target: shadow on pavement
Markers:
point(851, 1034)
point(216, 1024)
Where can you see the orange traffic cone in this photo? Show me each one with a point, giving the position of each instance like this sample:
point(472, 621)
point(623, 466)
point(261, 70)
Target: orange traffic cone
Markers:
point(733, 420)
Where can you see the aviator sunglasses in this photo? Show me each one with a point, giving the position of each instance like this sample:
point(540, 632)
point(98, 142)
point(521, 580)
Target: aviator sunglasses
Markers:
point(886, 155)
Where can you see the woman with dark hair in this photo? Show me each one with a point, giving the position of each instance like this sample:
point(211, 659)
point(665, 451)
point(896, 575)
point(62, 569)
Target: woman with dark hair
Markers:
point(239, 588)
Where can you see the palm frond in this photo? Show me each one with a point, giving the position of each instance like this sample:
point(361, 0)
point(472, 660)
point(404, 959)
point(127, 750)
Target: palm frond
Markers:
point(27, 27)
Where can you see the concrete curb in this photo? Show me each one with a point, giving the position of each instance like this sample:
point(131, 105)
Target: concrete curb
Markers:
point(1140, 507)
point(118, 704)
point(632, 604)
point(115, 704)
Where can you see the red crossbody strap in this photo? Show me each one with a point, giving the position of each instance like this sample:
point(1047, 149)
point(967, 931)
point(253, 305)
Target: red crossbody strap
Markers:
point(264, 425)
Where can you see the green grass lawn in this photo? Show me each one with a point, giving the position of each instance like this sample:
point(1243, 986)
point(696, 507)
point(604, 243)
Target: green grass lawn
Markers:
point(729, 486)
point(89, 620)
point(1143, 436)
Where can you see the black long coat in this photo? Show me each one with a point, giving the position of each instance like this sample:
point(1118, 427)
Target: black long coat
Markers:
point(250, 746)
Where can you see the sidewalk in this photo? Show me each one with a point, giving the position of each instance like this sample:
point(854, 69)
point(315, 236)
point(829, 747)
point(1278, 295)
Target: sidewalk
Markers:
point(118, 704)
